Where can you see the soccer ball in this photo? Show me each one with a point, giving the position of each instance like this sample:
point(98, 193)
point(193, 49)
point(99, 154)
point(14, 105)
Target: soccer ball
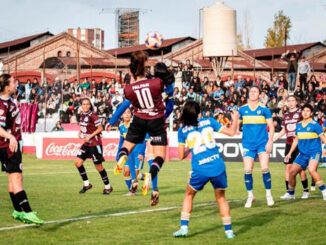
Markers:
point(154, 40)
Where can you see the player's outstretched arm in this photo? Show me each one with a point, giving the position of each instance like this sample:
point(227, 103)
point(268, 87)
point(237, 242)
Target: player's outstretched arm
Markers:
point(232, 130)
point(294, 145)
point(118, 113)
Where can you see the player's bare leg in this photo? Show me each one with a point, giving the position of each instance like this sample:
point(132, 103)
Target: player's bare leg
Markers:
point(248, 164)
point(312, 168)
point(295, 169)
point(185, 212)
point(225, 212)
point(264, 165)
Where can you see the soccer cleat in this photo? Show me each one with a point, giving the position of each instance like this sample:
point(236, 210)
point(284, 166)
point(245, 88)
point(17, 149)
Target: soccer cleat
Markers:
point(17, 215)
point(229, 234)
point(107, 191)
point(155, 197)
point(129, 194)
point(147, 181)
point(287, 196)
point(313, 188)
point(183, 232)
point(31, 217)
point(270, 201)
point(322, 165)
point(305, 195)
point(134, 186)
point(249, 201)
point(85, 188)
point(140, 176)
point(118, 167)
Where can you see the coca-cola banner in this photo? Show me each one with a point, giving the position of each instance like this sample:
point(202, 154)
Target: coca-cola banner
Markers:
point(67, 148)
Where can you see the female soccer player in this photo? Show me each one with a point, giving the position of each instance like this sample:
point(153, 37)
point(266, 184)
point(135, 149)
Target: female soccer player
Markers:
point(256, 141)
point(145, 95)
point(207, 164)
point(90, 129)
point(289, 124)
point(308, 139)
point(10, 151)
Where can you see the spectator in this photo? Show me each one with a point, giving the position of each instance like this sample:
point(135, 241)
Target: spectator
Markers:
point(303, 70)
point(283, 82)
point(191, 95)
point(218, 93)
point(298, 93)
point(178, 77)
point(292, 68)
point(57, 127)
point(313, 81)
point(28, 89)
point(116, 101)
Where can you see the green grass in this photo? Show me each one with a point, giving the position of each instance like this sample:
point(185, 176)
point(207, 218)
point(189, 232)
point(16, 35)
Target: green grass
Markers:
point(52, 188)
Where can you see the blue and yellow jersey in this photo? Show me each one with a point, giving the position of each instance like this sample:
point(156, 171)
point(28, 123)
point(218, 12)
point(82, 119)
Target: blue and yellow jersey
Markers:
point(206, 158)
point(308, 135)
point(254, 125)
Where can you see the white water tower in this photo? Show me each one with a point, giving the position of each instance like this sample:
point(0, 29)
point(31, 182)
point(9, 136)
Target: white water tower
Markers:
point(219, 34)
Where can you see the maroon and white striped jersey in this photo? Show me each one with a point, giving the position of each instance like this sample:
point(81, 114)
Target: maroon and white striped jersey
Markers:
point(290, 121)
point(146, 98)
point(89, 122)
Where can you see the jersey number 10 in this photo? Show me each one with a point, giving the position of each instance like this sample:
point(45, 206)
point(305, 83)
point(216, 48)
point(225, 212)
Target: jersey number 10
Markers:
point(201, 141)
point(145, 99)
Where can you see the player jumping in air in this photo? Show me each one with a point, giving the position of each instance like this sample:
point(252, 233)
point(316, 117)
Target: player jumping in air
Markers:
point(90, 130)
point(289, 124)
point(308, 139)
point(206, 162)
point(145, 95)
point(11, 151)
point(256, 141)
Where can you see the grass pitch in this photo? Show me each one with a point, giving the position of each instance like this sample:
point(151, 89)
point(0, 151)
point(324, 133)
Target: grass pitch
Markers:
point(93, 218)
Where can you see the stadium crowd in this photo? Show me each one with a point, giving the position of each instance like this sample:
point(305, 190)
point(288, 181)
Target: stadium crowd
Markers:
point(216, 97)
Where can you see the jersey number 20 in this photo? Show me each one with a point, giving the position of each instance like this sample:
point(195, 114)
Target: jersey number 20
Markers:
point(145, 99)
point(201, 141)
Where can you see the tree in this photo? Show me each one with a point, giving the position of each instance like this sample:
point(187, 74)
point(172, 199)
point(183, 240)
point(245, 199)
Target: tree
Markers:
point(277, 34)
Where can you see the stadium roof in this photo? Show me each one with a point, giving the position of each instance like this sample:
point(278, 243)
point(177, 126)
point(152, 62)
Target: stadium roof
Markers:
point(280, 50)
point(129, 50)
point(23, 40)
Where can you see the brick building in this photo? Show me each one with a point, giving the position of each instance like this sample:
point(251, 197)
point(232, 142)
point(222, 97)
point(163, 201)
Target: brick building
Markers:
point(93, 36)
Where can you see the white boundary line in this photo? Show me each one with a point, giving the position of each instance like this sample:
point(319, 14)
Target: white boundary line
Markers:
point(110, 215)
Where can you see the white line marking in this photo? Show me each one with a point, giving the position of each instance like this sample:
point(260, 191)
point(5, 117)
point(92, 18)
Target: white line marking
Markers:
point(109, 215)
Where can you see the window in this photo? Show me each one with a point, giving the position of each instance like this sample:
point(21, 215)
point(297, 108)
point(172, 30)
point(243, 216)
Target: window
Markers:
point(59, 54)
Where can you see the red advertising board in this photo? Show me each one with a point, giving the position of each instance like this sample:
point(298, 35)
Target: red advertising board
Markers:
point(67, 148)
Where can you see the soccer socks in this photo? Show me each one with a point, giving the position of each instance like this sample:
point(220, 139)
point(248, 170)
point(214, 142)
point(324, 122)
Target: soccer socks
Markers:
point(305, 185)
point(184, 220)
point(15, 204)
point(248, 180)
point(123, 152)
point(313, 182)
point(83, 175)
point(105, 179)
point(128, 181)
point(22, 200)
point(227, 224)
point(324, 160)
point(291, 190)
point(154, 181)
point(156, 166)
point(267, 178)
point(321, 185)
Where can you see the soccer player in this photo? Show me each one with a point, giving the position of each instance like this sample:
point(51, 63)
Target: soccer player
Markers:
point(289, 124)
point(90, 130)
point(256, 141)
point(145, 95)
point(324, 150)
point(10, 151)
point(206, 162)
point(308, 139)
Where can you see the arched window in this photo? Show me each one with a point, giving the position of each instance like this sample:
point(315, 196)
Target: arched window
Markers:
point(68, 54)
point(59, 54)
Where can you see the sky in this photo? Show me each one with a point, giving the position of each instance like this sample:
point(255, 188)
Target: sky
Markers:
point(172, 18)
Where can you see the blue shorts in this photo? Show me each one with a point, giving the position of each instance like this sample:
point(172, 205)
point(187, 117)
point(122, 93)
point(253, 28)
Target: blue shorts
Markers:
point(198, 181)
point(304, 159)
point(254, 152)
